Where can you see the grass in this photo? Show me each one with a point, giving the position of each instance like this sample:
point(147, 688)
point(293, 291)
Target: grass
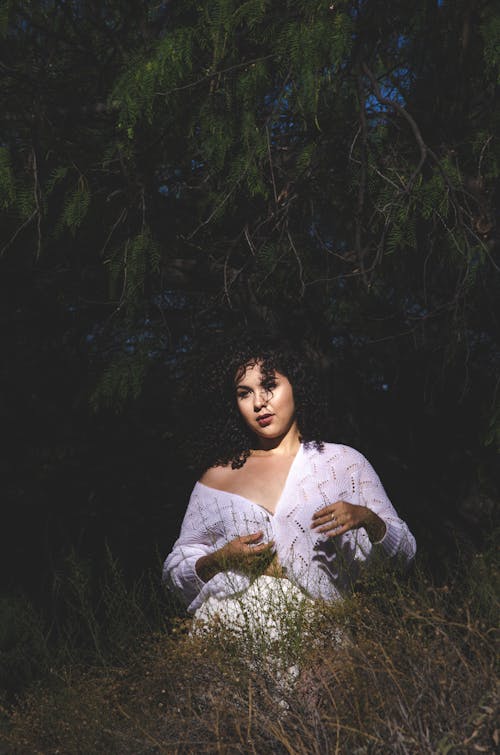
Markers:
point(416, 673)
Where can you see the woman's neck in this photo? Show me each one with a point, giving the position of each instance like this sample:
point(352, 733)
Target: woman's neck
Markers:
point(286, 445)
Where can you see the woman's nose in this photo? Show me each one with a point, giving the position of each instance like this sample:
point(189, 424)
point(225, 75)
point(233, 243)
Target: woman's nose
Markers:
point(260, 400)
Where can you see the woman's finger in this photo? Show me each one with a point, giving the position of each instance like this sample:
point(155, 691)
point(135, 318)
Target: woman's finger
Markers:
point(251, 538)
point(333, 527)
point(326, 518)
point(327, 513)
point(262, 547)
point(336, 531)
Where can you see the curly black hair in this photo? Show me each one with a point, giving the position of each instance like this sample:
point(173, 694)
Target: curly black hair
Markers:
point(218, 434)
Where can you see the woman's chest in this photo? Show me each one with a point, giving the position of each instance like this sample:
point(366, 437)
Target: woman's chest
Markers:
point(232, 514)
point(261, 481)
point(314, 490)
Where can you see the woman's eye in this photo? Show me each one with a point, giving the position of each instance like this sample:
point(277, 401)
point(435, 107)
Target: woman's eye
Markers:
point(242, 394)
point(270, 385)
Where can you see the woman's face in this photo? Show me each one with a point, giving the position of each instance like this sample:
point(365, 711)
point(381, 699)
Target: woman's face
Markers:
point(266, 405)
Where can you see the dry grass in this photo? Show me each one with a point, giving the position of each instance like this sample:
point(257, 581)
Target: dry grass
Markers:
point(415, 674)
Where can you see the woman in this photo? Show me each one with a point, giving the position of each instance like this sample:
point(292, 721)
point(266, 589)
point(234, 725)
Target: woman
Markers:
point(277, 512)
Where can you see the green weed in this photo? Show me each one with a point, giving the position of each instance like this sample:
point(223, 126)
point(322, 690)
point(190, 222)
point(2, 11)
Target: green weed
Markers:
point(415, 672)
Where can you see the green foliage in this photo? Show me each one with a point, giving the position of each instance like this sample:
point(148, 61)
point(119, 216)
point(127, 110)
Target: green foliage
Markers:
point(251, 13)
point(25, 200)
point(491, 34)
point(305, 157)
point(100, 617)
point(4, 16)
point(58, 175)
point(24, 652)
point(7, 187)
point(76, 205)
point(146, 81)
point(131, 266)
point(122, 678)
point(324, 168)
point(93, 618)
point(432, 196)
point(492, 435)
point(247, 102)
point(121, 381)
point(142, 255)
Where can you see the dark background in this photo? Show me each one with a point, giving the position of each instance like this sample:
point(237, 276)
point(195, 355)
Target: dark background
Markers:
point(170, 172)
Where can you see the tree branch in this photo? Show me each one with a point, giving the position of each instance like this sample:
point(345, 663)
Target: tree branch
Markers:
point(410, 120)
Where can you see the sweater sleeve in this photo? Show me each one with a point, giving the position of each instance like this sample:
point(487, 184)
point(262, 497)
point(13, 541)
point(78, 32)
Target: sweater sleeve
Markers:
point(194, 541)
point(397, 540)
point(198, 538)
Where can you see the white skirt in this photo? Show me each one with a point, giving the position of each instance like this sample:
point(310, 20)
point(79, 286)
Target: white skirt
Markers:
point(272, 622)
point(270, 609)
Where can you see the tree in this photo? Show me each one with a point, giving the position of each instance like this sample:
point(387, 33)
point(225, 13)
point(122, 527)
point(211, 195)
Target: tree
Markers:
point(328, 168)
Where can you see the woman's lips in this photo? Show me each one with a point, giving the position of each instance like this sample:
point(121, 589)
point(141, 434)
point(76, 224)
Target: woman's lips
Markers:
point(265, 420)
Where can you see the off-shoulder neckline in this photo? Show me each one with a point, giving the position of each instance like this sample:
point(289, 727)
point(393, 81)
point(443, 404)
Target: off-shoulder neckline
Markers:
point(249, 500)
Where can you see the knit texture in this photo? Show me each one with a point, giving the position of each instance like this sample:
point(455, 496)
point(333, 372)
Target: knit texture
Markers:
point(323, 567)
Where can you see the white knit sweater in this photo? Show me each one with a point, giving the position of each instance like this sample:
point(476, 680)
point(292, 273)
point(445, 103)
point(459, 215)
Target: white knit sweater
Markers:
point(323, 567)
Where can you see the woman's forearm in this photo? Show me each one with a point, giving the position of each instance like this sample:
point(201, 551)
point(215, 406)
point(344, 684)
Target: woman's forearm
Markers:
point(374, 526)
point(244, 554)
point(208, 566)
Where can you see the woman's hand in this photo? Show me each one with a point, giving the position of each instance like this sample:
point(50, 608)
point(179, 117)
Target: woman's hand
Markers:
point(340, 517)
point(243, 554)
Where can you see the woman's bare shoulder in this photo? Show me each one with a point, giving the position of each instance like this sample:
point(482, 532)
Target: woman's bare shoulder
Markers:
point(217, 477)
